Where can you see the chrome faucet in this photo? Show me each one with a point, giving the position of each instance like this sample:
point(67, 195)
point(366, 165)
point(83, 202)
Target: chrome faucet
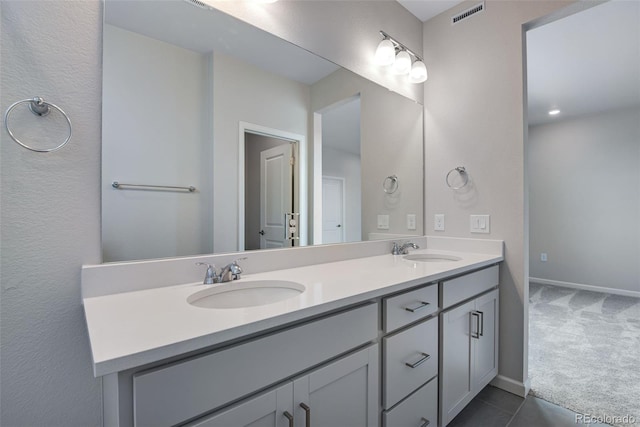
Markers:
point(229, 272)
point(404, 249)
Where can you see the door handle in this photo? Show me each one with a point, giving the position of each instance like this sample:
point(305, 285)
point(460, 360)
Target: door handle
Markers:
point(475, 334)
point(338, 225)
point(261, 232)
point(423, 359)
point(288, 416)
point(307, 414)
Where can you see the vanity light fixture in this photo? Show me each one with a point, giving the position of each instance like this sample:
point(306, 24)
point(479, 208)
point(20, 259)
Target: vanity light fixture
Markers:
point(554, 112)
point(392, 52)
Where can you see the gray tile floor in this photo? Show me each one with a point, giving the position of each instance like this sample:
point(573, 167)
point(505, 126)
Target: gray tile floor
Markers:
point(494, 407)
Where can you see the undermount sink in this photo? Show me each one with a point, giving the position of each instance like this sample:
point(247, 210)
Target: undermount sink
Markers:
point(431, 258)
point(245, 294)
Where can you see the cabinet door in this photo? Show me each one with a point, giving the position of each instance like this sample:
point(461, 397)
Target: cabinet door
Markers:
point(456, 379)
point(486, 346)
point(343, 393)
point(269, 409)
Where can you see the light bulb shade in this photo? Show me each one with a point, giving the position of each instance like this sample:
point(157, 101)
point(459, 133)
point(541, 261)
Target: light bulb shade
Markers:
point(402, 64)
point(385, 53)
point(418, 72)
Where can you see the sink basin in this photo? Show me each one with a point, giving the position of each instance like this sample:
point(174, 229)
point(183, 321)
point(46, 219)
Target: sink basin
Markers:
point(431, 258)
point(245, 294)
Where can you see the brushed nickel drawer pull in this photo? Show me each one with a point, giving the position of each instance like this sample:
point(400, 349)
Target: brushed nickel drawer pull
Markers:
point(475, 334)
point(288, 416)
point(423, 359)
point(481, 333)
point(425, 422)
point(307, 414)
point(422, 305)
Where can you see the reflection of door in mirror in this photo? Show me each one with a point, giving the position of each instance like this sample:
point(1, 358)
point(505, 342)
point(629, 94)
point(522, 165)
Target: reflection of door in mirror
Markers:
point(341, 166)
point(268, 191)
point(333, 227)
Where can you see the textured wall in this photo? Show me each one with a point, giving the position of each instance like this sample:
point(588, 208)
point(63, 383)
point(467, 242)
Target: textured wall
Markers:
point(50, 215)
point(474, 117)
point(585, 200)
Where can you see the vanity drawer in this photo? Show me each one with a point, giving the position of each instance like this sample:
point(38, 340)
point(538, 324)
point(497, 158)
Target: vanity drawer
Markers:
point(461, 288)
point(400, 310)
point(410, 360)
point(419, 409)
point(172, 394)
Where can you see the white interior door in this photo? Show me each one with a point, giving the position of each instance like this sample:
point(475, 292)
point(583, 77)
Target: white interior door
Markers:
point(332, 210)
point(276, 195)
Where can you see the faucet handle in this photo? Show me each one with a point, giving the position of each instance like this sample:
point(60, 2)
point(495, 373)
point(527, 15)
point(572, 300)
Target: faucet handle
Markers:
point(235, 269)
point(210, 276)
point(395, 250)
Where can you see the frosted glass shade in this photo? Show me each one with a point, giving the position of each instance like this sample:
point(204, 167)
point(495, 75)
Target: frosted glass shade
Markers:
point(418, 72)
point(402, 64)
point(385, 53)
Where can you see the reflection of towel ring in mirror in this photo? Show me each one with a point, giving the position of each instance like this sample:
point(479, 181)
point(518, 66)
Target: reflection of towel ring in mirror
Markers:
point(40, 108)
point(463, 174)
point(390, 184)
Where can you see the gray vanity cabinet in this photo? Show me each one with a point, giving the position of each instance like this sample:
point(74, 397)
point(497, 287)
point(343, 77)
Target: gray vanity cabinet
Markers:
point(469, 344)
point(342, 393)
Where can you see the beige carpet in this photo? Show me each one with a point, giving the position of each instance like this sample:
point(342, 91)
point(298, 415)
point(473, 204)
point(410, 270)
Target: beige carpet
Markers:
point(584, 352)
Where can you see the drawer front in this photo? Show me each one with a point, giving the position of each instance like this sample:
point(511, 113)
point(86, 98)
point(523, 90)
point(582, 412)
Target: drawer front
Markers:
point(170, 395)
point(420, 409)
point(461, 288)
point(410, 360)
point(408, 307)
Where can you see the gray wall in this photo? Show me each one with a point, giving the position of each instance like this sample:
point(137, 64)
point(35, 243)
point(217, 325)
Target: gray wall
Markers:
point(51, 203)
point(474, 117)
point(50, 215)
point(585, 200)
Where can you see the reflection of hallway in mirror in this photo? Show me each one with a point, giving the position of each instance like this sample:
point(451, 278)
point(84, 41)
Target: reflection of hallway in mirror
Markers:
point(341, 172)
point(266, 200)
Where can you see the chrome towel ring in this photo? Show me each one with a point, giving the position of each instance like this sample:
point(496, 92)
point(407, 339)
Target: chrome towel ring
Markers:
point(463, 174)
point(40, 108)
point(390, 184)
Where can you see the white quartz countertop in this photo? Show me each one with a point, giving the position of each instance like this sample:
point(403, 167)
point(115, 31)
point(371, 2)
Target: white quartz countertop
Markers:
point(135, 328)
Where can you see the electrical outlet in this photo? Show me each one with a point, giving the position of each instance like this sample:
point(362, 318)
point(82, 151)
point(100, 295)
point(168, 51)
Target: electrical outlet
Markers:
point(543, 257)
point(438, 222)
point(411, 221)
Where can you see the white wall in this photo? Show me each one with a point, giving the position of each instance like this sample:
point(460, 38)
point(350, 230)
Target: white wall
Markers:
point(156, 132)
point(474, 117)
point(50, 215)
point(244, 93)
point(584, 200)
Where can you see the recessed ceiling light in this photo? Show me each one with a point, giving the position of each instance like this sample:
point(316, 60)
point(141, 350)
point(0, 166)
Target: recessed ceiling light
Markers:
point(554, 112)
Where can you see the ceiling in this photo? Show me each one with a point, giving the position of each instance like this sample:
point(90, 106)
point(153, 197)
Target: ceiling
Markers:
point(585, 63)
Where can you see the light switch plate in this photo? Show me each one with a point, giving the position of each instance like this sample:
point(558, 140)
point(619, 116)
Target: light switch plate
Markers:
point(438, 222)
point(480, 224)
point(383, 222)
point(411, 221)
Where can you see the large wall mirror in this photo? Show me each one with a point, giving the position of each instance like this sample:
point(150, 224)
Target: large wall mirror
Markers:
point(249, 128)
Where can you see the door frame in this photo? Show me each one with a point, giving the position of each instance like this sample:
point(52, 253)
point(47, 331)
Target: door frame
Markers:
point(299, 175)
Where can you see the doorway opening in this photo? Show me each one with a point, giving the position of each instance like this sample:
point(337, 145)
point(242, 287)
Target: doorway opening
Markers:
point(271, 179)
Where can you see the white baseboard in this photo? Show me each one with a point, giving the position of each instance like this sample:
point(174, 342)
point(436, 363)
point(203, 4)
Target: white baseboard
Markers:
point(580, 286)
point(512, 386)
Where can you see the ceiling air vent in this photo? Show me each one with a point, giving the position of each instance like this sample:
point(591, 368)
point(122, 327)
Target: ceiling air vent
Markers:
point(467, 13)
point(199, 4)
